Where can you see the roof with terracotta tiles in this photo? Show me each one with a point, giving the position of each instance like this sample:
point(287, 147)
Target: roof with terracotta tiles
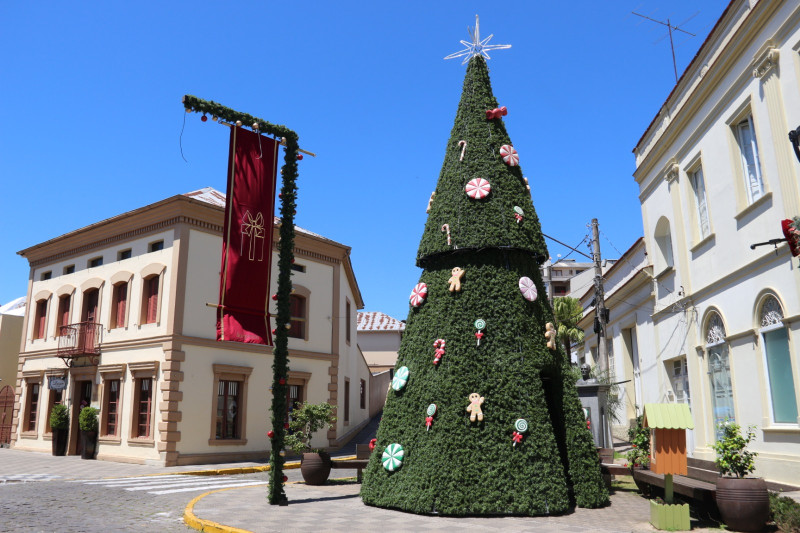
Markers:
point(377, 321)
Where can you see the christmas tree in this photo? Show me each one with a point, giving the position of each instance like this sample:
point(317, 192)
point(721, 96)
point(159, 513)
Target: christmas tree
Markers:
point(483, 417)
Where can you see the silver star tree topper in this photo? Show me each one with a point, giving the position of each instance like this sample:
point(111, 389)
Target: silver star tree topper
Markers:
point(477, 46)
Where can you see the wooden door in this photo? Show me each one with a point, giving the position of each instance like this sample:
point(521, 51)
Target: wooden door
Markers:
point(82, 398)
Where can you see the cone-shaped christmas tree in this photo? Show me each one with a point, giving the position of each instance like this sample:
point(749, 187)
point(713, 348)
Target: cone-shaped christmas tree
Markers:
point(482, 417)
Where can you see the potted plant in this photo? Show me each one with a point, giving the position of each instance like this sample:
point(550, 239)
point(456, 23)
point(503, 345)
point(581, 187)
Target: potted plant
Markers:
point(307, 419)
point(59, 424)
point(88, 425)
point(639, 454)
point(743, 502)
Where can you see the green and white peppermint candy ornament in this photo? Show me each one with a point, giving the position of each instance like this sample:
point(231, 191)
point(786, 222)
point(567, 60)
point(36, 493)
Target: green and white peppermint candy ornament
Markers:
point(400, 378)
point(392, 458)
point(431, 409)
point(521, 425)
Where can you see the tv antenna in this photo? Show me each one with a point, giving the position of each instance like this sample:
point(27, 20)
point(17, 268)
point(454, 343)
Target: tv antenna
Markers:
point(670, 27)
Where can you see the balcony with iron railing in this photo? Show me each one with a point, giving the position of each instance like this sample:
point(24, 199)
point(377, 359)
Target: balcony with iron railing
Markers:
point(80, 340)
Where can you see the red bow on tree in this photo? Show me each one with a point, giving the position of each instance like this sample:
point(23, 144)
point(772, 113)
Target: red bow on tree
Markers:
point(517, 437)
point(428, 422)
point(372, 444)
point(497, 112)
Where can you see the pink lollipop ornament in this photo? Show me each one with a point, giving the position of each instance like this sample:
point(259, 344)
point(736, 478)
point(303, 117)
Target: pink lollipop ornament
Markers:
point(478, 188)
point(510, 156)
point(528, 288)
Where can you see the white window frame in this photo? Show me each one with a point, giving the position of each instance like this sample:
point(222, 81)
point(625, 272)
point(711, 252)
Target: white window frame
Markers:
point(762, 331)
point(754, 190)
point(698, 183)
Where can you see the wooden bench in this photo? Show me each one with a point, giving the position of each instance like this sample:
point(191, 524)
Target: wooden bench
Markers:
point(702, 491)
point(359, 463)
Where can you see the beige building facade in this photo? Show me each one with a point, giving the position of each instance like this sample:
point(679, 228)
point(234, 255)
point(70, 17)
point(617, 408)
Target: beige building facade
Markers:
point(125, 302)
point(716, 173)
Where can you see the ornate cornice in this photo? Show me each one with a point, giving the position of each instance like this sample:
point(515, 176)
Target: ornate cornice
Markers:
point(765, 60)
point(671, 171)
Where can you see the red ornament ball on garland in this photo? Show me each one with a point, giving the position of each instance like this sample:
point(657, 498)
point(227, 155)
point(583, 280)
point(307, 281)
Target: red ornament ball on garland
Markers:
point(273, 332)
point(270, 433)
point(284, 479)
point(204, 118)
point(274, 296)
point(299, 157)
point(286, 425)
point(282, 381)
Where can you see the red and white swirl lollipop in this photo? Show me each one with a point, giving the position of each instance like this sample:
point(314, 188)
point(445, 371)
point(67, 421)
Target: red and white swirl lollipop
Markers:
point(419, 294)
point(510, 156)
point(478, 188)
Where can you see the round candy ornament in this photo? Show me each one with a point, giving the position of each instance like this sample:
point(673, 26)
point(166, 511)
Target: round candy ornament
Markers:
point(478, 188)
point(510, 156)
point(392, 457)
point(528, 288)
point(431, 409)
point(418, 294)
point(521, 425)
point(519, 214)
point(400, 378)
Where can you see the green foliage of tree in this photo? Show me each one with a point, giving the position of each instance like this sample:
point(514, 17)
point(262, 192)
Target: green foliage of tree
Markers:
point(458, 467)
point(307, 419)
point(59, 417)
point(639, 437)
point(733, 457)
point(785, 512)
point(568, 312)
point(87, 420)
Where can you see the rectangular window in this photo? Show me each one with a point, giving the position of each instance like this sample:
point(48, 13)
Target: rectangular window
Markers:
point(557, 273)
point(680, 381)
point(33, 406)
point(699, 188)
point(362, 394)
point(40, 320)
point(150, 301)
point(112, 407)
point(297, 310)
point(96, 262)
point(346, 400)
point(155, 246)
point(69, 269)
point(63, 314)
point(612, 362)
point(298, 268)
point(781, 382)
point(347, 319)
point(47, 275)
point(119, 305)
point(294, 397)
point(124, 254)
point(748, 148)
point(228, 409)
point(144, 406)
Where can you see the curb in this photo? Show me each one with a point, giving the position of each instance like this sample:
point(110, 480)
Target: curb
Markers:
point(248, 469)
point(201, 524)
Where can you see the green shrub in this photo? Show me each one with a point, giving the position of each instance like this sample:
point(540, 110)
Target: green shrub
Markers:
point(88, 419)
point(59, 417)
point(785, 512)
point(732, 456)
point(307, 419)
point(639, 437)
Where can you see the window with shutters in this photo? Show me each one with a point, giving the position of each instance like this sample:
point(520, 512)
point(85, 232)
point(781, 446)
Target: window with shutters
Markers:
point(143, 408)
point(701, 204)
point(40, 320)
point(150, 299)
point(32, 406)
point(112, 407)
point(298, 312)
point(62, 319)
point(745, 134)
point(119, 305)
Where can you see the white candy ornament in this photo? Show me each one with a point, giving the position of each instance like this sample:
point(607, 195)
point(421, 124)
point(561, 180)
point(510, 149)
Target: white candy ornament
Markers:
point(418, 294)
point(510, 156)
point(478, 188)
point(392, 457)
point(400, 378)
point(528, 288)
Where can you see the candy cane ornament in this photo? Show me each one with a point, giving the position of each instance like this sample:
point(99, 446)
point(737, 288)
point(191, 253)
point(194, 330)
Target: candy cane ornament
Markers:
point(439, 345)
point(463, 145)
point(446, 228)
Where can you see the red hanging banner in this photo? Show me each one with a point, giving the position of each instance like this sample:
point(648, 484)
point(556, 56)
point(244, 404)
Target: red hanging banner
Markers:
point(242, 314)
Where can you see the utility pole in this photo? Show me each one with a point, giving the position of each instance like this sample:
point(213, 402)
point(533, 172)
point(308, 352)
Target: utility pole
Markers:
point(600, 312)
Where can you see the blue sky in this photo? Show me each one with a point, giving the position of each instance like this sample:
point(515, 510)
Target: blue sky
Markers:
point(92, 115)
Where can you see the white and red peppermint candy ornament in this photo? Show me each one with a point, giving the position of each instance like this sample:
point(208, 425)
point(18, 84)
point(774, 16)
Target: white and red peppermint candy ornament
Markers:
point(419, 294)
point(528, 288)
point(510, 156)
point(478, 188)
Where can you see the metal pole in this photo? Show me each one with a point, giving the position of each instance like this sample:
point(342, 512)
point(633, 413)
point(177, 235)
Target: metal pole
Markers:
point(599, 308)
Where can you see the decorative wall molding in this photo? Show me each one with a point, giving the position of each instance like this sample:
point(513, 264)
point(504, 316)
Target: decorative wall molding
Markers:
point(765, 60)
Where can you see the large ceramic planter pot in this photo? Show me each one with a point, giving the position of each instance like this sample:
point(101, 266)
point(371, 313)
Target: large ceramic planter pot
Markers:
point(743, 503)
point(59, 442)
point(315, 467)
point(89, 441)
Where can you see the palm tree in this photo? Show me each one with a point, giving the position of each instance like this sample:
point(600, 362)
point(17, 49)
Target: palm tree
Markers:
point(568, 312)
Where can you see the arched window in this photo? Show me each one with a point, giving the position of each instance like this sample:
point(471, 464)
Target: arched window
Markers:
point(783, 397)
point(663, 238)
point(719, 372)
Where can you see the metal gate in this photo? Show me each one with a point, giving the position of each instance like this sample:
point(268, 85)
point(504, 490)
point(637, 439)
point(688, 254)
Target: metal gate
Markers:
point(6, 412)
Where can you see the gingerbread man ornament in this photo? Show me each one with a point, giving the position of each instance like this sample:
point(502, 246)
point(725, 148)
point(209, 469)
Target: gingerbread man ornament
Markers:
point(455, 279)
point(550, 335)
point(474, 407)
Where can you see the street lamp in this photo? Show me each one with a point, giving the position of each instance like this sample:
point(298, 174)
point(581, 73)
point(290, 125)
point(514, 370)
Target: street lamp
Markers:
point(794, 138)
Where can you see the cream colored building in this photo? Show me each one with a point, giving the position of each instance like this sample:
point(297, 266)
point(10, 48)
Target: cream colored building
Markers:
point(716, 173)
point(132, 292)
point(379, 338)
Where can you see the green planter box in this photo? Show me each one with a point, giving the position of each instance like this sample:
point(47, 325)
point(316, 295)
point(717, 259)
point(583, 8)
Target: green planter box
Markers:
point(672, 517)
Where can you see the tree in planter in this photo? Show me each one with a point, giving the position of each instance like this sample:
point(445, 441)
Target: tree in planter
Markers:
point(59, 424)
point(484, 418)
point(733, 457)
point(88, 424)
